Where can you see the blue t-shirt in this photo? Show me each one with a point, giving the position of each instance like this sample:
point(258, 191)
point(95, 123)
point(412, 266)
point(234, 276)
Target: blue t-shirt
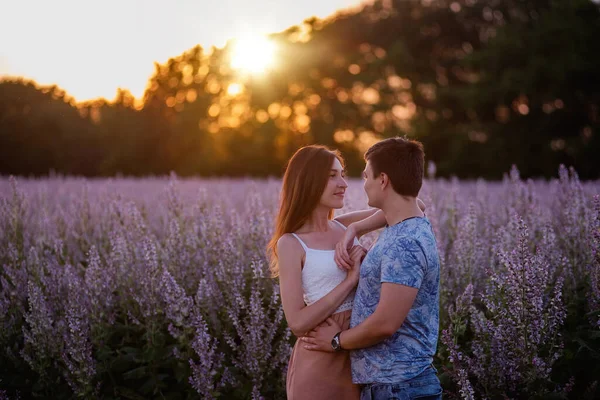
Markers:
point(406, 254)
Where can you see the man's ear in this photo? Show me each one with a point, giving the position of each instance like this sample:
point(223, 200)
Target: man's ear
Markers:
point(384, 180)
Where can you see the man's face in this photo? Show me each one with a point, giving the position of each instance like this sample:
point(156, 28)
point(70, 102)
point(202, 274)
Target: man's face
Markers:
point(371, 186)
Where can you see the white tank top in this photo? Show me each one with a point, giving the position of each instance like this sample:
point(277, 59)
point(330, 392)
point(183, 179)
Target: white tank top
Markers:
point(321, 275)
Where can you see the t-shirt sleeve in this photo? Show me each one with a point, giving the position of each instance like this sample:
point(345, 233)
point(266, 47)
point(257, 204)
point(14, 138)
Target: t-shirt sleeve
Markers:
point(403, 262)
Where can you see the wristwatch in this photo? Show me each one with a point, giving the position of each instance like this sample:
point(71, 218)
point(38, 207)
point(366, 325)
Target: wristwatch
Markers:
point(335, 342)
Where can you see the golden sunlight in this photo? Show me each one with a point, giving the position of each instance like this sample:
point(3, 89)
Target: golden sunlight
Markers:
point(253, 54)
point(234, 89)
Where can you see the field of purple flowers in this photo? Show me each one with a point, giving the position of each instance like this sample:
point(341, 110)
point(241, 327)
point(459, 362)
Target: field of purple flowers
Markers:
point(159, 288)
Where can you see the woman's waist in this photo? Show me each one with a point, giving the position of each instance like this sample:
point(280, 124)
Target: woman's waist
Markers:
point(313, 297)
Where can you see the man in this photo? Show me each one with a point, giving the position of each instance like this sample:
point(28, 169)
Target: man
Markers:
point(395, 318)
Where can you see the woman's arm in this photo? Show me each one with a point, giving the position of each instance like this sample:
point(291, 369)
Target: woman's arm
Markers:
point(300, 317)
point(421, 204)
point(355, 216)
point(356, 230)
point(362, 227)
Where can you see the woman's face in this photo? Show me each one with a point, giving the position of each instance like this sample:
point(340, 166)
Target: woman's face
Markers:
point(333, 195)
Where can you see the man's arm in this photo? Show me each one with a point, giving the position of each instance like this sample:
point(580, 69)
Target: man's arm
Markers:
point(403, 267)
point(394, 304)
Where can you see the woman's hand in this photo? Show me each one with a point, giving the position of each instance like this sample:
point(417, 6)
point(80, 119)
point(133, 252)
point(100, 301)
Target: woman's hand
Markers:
point(342, 257)
point(356, 256)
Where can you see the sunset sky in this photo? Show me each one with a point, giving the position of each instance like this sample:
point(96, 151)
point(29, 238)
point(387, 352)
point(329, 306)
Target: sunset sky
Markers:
point(91, 48)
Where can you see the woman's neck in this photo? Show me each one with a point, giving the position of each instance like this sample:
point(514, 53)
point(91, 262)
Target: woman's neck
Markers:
point(318, 221)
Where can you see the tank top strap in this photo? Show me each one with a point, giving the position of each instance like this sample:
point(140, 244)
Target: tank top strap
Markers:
point(356, 242)
point(304, 246)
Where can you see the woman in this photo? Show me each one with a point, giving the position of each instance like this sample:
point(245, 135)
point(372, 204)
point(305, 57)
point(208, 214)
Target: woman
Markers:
point(313, 288)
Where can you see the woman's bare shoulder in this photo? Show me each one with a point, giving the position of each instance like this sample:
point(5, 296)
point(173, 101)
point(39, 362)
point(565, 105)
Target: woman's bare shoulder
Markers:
point(290, 252)
point(287, 242)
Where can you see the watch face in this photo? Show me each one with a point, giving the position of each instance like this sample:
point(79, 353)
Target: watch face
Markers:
point(335, 342)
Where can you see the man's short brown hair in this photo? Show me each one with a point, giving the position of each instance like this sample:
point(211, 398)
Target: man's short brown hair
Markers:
point(402, 160)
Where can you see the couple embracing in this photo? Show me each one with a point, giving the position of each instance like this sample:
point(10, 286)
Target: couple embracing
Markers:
point(367, 322)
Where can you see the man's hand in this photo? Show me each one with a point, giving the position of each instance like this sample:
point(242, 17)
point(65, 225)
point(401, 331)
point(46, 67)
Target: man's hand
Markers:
point(319, 339)
point(342, 257)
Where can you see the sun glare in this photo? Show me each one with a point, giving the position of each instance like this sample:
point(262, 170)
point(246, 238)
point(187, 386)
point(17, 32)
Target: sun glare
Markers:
point(253, 54)
point(234, 89)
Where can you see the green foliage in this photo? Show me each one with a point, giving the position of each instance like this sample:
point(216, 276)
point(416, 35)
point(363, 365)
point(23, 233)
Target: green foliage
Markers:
point(483, 84)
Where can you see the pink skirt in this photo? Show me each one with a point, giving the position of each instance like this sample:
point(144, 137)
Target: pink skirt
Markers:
point(315, 375)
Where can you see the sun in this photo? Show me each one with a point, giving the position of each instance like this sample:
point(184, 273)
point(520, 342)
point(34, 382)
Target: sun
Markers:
point(253, 54)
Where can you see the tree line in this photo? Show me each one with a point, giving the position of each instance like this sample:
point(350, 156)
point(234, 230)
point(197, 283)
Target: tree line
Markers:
point(484, 84)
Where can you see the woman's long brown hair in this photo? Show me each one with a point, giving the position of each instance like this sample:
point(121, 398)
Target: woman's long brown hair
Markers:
point(304, 181)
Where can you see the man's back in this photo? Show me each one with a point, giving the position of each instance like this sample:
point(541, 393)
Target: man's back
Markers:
point(405, 254)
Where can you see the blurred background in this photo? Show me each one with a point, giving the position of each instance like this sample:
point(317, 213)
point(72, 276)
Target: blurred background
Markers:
point(233, 88)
